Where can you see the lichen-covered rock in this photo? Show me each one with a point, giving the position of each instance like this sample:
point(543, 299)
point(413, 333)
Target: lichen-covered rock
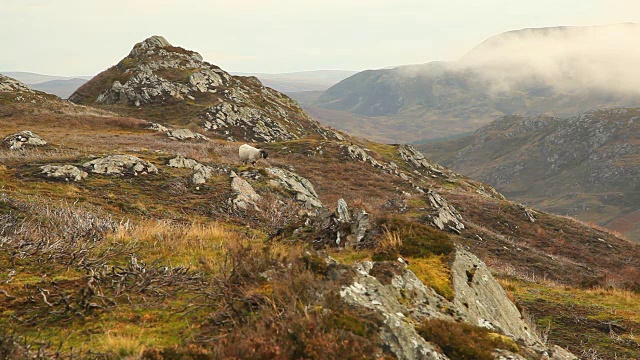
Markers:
point(8, 84)
point(395, 293)
point(120, 165)
point(185, 134)
point(295, 183)
point(444, 215)
point(246, 196)
point(485, 300)
point(257, 124)
point(201, 172)
point(348, 228)
point(343, 211)
point(23, 139)
point(402, 300)
point(528, 213)
point(63, 172)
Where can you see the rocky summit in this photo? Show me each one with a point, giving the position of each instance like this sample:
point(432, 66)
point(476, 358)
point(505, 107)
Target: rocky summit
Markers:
point(585, 166)
point(168, 84)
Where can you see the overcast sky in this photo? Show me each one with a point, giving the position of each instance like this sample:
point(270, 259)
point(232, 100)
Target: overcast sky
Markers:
point(84, 37)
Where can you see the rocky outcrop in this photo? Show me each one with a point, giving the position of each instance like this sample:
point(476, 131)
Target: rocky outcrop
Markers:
point(185, 134)
point(394, 292)
point(346, 228)
point(8, 84)
point(63, 172)
point(485, 301)
point(257, 124)
point(401, 300)
point(201, 173)
point(443, 215)
point(301, 187)
point(157, 74)
point(22, 140)
point(246, 196)
point(120, 165)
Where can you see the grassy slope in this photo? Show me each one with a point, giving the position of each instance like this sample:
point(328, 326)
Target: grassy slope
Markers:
point(174, 226)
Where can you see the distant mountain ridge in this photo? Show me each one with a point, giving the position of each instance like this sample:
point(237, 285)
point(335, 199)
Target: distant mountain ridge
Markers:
point(295, 82)
point(560, 71)
point(586, 166)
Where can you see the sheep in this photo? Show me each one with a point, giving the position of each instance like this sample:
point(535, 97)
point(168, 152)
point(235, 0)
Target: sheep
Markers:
point(250, 154)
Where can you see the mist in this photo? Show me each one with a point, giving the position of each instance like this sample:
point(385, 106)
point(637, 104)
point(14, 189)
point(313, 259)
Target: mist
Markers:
point(594, 58)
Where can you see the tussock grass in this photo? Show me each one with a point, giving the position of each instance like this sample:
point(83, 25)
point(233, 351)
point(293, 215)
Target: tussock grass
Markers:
point(434, 272)
point(120, 346)
point(199, 244)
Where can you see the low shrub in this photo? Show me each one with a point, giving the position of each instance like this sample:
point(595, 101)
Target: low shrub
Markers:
point(411, 239)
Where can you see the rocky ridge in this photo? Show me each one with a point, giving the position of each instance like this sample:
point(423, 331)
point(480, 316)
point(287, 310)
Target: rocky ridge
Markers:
point(586, 165)
point(157, 75)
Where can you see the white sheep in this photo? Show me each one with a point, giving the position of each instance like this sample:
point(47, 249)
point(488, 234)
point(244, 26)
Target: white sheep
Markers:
point(250, 154)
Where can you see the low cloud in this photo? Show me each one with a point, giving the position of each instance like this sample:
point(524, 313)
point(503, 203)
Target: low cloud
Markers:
point(595, 58)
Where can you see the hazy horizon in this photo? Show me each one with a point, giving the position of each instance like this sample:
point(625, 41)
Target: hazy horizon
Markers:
point(79, 38)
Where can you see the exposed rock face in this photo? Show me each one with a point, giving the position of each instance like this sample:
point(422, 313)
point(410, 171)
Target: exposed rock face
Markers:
point(444, 215)
point(295, 183)
point(398, 331)
point(246, 196)
point(23, 139)
point(201, 173)
point(394, 292)
point(63, 172)
point(358, 153)
point(185, 134)
point(157, 74)
point(120, 165)
point(485, 300)
point(8, 84)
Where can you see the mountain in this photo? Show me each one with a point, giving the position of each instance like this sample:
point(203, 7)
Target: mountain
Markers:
point(61, 88)
point(560, 71)
point(171, 85)
point(122, 239)
point(295, 82)
point(585, 166)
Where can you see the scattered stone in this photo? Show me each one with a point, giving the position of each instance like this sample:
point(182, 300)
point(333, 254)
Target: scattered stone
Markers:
point(295, 183)
point(158, 127)
point(120, 165)
point(201, 173)
point(23, 139)
point(63, 172)
point(528, 213)
point(185, 134)
point(245, 194)
point(444, 215)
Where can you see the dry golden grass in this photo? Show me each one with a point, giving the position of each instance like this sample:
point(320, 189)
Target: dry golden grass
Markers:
point(120, 346)
point(197, 244)
point(390, 240)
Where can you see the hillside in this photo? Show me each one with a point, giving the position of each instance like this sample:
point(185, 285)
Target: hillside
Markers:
point(562, 71)
point(585, 166)
point(121, 240)
point(171, 85)
point(301, 81)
